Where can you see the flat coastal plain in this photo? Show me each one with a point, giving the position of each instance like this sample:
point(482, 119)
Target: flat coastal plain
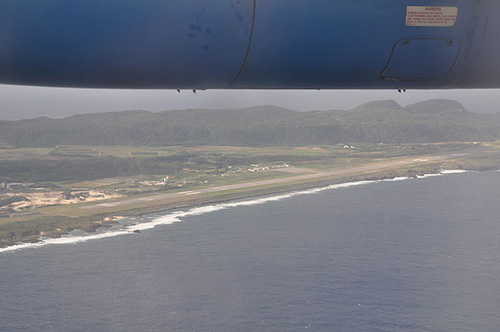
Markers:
point(211, 174)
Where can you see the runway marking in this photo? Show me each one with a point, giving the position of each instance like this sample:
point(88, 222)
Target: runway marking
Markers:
point(108, 204)
point(187, 193)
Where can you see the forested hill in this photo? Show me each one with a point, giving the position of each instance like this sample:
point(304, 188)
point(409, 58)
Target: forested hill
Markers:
point(379, 121)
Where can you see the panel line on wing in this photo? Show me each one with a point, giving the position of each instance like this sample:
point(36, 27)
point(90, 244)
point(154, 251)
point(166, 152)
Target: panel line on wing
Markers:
point(245, 59)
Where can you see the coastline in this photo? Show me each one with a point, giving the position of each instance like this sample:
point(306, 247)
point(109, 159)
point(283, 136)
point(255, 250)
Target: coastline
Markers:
point(112, 227)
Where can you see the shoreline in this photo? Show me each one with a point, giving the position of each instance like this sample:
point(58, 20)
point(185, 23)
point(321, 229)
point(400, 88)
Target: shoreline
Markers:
point(197, 207)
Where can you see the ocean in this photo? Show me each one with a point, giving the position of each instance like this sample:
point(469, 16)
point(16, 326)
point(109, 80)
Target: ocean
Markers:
point(401, 255)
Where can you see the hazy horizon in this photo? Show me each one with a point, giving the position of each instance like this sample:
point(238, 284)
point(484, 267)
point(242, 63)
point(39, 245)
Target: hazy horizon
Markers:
point(20, 102)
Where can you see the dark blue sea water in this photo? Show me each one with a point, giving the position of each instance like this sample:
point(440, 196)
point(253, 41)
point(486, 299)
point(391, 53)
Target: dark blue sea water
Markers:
point(413, 255)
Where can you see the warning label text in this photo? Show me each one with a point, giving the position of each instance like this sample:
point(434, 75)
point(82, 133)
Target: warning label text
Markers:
point(431, 16)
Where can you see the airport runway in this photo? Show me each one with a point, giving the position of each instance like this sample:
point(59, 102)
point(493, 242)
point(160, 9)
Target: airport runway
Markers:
point(316, 175)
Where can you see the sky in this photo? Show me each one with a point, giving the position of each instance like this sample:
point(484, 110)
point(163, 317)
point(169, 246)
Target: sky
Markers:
point(20, 102)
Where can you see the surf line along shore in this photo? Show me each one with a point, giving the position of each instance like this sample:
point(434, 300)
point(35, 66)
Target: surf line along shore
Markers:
point(88, 213)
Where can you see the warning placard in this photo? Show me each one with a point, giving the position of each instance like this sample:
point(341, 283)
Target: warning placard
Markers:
point(431, 16)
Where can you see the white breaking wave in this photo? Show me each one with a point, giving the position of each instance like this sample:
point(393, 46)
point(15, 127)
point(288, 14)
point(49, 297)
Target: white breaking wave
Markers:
point(176, 216)
point(67, 239)
point(443, 172)
point(400, 178)
point(454, 171)
point(428, 175)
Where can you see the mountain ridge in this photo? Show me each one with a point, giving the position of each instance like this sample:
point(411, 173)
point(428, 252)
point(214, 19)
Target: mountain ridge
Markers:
point(378, 121)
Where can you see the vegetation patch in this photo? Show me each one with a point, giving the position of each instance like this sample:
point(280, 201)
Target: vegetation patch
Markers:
point(11, 199)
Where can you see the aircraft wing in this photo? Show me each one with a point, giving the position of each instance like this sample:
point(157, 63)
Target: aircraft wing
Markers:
point(247, 44)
